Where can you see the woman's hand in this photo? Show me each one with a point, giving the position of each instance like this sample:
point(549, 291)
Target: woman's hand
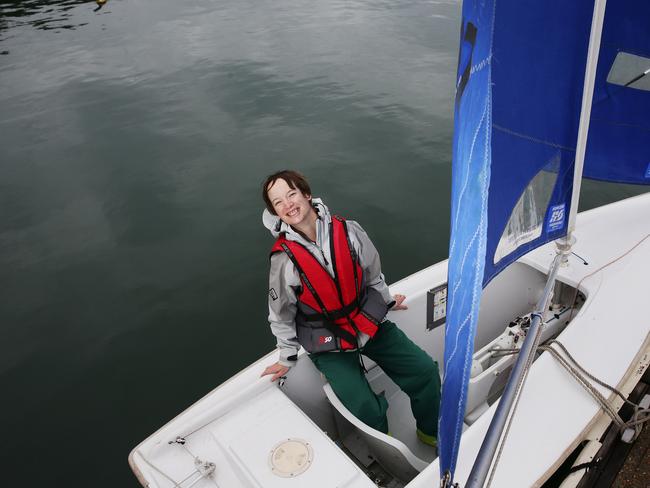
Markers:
point(398, 302)
point(277, 370)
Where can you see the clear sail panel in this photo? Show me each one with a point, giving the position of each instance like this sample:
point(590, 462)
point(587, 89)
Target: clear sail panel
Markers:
point(630, 70)
point(527, 218)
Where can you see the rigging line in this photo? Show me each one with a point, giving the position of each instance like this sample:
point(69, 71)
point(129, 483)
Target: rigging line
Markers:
point(188, 451)
point(575, 295)
point(638, 419)
point(192, 475)
point(185, 436)
point(520, 385)
point(600, 399)
point(199, 428)
point(176, 485)
point(547, 347)
point(634, 422)
point(585, 372)
point(201, 475)
point(581, 380)
point(638, 77)
point(584, 261)
point(640, 416)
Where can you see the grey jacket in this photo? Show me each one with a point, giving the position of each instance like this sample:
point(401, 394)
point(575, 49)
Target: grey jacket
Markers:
point(284, 282)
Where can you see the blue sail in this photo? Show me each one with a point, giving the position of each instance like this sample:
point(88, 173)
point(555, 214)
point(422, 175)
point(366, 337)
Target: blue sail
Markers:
point(470, 185)
point(518, 96)
point(619, 129)
point(518, 99)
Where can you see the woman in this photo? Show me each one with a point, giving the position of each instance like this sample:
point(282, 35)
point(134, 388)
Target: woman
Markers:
point(327, 294)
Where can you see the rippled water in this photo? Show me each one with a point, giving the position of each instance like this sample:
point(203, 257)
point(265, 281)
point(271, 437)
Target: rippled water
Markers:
point(133, 140)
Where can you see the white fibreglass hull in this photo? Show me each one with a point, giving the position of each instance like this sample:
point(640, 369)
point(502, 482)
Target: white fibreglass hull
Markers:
point(239, 426)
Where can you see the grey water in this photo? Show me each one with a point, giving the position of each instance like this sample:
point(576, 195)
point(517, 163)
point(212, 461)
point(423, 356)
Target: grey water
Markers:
point(133, 141)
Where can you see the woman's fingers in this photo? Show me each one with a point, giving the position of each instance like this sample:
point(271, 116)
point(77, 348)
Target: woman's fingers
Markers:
point(270, 369)
point(398, 302)
point(280, 374)
point(277, 370)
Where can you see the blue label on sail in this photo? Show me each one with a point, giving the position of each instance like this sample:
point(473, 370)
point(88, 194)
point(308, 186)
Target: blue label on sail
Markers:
point(556, 217)
point(647, 171)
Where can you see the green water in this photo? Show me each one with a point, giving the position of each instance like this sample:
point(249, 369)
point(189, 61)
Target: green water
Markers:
point(133, 140)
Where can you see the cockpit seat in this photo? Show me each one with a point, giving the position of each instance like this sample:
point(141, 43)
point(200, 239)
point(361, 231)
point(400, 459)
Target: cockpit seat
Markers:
point(401, 452)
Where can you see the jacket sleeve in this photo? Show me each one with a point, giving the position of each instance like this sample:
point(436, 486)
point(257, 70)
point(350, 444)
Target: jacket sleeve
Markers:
point(369, 260)
point(283, 283)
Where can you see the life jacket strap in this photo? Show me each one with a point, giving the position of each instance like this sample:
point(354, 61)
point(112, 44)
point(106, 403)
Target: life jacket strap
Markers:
point(327, 318)
point(341, 333)
point(305, 280)
point(334, 314)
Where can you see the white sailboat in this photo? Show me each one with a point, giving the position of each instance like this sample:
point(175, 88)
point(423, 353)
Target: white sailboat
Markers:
point(250, 432)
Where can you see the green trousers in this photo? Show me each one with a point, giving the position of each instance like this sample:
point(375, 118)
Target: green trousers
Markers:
point(405, 363)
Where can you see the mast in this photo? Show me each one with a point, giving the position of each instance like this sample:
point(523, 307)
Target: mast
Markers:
point(492, 439)
point(585, 111)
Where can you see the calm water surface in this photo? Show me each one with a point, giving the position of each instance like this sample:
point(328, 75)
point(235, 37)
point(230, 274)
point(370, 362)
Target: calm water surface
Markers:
point(133, 141)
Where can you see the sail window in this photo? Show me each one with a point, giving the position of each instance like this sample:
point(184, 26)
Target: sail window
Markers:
point(527, 218)
point(630, 70)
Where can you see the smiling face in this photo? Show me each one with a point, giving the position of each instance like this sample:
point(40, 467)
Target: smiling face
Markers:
point(290, 204)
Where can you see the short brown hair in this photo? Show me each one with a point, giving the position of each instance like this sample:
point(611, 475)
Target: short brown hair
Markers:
point(292, 178)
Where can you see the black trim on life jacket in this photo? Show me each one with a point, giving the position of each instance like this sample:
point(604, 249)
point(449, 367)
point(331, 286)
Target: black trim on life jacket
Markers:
point(355, 261)
point(362, 310)
point(337, 314)
point(329, 319)
point(338, 286)
point(356, 303)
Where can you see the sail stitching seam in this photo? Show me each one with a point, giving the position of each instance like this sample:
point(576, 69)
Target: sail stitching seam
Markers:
point(620, 124)
point(480, 65)
point(481, 247)
point(464, 260)
point(462, 192)
point(532, 139)
point(484, 177)
point(482, 243)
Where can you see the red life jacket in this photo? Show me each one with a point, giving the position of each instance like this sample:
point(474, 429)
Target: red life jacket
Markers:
point(332, 310)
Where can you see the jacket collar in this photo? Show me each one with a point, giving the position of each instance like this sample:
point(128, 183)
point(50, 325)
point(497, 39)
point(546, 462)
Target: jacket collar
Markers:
point(276, 226)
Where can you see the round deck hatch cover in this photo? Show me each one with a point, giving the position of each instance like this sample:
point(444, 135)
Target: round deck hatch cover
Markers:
point(290, 458)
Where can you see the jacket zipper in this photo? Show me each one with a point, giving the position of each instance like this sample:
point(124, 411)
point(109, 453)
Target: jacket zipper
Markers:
point(324, 258)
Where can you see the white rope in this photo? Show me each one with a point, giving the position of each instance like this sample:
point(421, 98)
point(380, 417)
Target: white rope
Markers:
point(575, 295)
point(640, 415)
point(581, 375)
